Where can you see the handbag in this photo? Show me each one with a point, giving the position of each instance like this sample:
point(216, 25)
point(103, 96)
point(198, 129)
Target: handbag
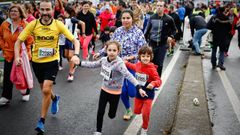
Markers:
point(17, 77)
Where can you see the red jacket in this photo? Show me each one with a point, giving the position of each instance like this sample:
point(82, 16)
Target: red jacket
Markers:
point(235, 20)
point(105, 17)
point(153, 78)
point(150, 70)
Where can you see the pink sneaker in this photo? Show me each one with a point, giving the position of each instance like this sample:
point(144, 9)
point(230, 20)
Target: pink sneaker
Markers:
point(70, 78)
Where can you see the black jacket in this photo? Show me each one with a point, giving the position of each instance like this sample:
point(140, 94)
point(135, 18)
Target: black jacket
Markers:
point(159, 28)
point(197, 22)
point(220, 30)
point(90, 22)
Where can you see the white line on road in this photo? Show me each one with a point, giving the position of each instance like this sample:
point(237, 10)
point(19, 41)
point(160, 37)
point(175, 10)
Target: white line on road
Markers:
point(231, 93)
point(137, 121)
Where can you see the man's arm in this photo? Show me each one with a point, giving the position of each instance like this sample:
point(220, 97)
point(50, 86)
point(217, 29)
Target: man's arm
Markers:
point(76, 46)
point(147, 30)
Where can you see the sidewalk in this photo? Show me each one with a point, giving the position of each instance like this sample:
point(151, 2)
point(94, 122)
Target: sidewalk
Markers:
point(190, 119)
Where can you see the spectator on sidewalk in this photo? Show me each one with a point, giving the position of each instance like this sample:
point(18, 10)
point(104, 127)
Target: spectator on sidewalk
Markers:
point(220, 26)
point(198, 28)
point(9, 32)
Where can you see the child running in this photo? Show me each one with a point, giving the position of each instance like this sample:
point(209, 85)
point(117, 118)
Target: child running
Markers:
point(147, 76)
point(113, 71)
point(61, 43)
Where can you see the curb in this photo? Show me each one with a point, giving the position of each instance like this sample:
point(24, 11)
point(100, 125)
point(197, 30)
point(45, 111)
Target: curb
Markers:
point(191, 119)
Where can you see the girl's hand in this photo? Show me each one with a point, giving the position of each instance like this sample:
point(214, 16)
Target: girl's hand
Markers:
point(96, 55)
point(129, 58)
point(150, 86)
point(143, 93)
point(75, 59)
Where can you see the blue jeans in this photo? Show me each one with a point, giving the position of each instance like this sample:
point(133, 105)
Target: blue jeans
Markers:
point(214, 57)
point(197, 39)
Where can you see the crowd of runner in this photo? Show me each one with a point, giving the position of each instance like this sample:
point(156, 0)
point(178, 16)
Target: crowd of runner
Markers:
point(135, 36)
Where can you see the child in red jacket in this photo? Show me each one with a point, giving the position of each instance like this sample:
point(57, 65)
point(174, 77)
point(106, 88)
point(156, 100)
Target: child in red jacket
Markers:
point(147, 76)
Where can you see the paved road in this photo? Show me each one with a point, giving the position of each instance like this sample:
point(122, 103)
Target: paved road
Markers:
point(78, 106)
point(223, 92)
point(79, 100)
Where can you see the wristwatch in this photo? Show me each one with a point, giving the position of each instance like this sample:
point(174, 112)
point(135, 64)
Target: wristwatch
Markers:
point(76, 55)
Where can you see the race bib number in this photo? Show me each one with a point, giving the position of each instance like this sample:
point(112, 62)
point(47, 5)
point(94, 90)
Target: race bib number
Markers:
point(106, 72)
point(45, 52)
point(141, 78)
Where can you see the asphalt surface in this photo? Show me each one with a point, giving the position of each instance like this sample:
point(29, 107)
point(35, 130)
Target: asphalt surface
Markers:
point(79, 101)
point(223, 117)
point(78, 106)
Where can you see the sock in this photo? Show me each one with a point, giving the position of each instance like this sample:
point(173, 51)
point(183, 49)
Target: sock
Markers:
point(42, 120)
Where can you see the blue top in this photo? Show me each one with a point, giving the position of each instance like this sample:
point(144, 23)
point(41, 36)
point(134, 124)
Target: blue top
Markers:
point(181, 12)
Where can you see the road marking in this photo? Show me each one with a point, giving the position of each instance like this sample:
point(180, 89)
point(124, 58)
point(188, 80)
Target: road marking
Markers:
point(231, 93)
point(136, 123)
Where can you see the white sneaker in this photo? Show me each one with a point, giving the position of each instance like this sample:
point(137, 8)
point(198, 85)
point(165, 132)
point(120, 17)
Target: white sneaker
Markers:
point(144, 131)
point(97, 133)
point(4, 101)
point(25, 98)
point(60, 68)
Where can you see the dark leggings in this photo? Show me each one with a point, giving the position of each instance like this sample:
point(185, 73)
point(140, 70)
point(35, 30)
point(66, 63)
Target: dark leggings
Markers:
point(61, 54)
point(113, 101)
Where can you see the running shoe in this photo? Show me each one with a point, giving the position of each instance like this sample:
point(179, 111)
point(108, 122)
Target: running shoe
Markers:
point(60, 68)
point(25, 98)
point(143, 131)
point(169, 54)
point(97, 133)
point(70, 78)
point(221, 67)
point(128, 114)
point(55, 105)
point(4, 101)
point(40, 127)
